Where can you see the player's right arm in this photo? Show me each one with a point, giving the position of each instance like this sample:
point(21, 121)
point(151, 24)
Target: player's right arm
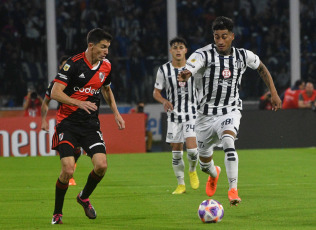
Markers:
point(62, 79)
point(195, 62)
point(159, 85)
point(59, 95)
point(158, 97)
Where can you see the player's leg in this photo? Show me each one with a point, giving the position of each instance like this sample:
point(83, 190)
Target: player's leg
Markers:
point(178, 166)
point(95, 147)
point(67, 169)
point(175, 138)
point(192, 155)
point(206, 140)
point(230, 126)
point(77, 154)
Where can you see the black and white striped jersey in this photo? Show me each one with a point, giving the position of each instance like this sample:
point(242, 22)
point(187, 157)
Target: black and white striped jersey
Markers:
point(218, 78)
point(180, 94)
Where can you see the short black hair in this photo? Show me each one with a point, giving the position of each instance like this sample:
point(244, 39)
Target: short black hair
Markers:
point(298, 83)
point(62, 59)
point(223, 23)
point(178, 40)
point(96, 35)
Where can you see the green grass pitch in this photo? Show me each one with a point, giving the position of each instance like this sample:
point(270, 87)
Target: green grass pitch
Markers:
point(277, 188)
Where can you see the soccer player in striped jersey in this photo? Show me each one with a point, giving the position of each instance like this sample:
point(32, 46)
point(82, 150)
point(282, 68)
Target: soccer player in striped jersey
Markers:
point(180, 106)
point(77, 87)
point(217, 70)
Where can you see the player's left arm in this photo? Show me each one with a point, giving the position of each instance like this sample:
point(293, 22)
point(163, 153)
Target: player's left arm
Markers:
point(44, 110)
point(110, 100)
point(266, 77)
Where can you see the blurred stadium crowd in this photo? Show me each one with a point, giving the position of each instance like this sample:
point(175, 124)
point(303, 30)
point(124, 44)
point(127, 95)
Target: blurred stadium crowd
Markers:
point(140, 41)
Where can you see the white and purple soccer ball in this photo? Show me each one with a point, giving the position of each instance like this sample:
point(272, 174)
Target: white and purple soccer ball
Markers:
point(211, 211)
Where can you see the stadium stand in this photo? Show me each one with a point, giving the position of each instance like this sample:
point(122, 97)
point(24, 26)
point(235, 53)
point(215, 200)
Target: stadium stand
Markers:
point(140, 44)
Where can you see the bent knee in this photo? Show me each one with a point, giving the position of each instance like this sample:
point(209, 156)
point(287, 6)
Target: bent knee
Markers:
point(101, 168)
point(67, 173)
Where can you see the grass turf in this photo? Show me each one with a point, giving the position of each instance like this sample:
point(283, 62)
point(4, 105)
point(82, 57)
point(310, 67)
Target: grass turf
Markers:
point(277, 188)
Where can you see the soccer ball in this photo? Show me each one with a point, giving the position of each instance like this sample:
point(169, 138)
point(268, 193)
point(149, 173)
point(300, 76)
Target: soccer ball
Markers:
point(211, 211)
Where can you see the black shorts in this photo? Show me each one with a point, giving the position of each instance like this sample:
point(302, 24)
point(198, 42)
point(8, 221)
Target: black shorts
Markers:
point(66, 139)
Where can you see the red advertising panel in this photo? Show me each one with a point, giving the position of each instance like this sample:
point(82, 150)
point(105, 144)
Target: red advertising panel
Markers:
point(22, 136)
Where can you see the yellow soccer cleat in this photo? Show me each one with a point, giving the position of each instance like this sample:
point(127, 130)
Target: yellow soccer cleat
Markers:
point(194, 180)
point(180, 189)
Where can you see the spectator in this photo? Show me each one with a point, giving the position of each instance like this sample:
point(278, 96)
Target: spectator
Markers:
point(149, 136)
point(290, 96)
point(265, 101)
point(307, 97)
point(32, 103)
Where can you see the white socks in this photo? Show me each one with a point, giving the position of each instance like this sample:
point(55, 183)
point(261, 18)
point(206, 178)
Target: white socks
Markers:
point(192, 158)
point(231, 160)
point(209, 168)
point(178, 165)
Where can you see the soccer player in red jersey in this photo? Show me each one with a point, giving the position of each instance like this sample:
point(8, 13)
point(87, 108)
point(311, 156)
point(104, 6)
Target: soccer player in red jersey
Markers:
point(44, 110)
point(77, 87)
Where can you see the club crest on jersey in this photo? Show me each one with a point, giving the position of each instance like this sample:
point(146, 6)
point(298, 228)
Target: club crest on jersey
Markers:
point(66, 67)
point(61, 136)
point(101, 76)
point(226, 73)
point(182, 83)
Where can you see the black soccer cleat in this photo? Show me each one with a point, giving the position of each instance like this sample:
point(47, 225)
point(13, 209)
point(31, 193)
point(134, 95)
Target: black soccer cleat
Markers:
point(88, 208)
point(57, 219)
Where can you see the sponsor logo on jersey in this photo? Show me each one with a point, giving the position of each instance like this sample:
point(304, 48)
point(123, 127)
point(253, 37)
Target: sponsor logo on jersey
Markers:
point(66, 67)
point(182, 83)
point(101, 76)
point(87, 90)
point(61, 136)
point(226, 73)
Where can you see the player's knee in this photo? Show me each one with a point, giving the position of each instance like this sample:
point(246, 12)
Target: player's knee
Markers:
point(67, 172)
point(228, 142)
point(101, 168)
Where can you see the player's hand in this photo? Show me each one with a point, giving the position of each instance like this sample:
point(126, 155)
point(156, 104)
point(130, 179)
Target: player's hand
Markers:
point(276, 102)
point(87, 106)
point(184, 75)
point(44, 125)
point(120, 122)
point(167, 106)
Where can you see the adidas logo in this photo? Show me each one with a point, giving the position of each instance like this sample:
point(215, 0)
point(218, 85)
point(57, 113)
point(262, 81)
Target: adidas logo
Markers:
point(82, 76)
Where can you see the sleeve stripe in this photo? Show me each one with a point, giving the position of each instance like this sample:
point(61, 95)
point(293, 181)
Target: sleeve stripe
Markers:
point(61, 82)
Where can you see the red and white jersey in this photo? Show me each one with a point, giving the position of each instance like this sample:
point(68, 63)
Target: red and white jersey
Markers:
point(83, 82)
point(290, 100)
point(218, 78)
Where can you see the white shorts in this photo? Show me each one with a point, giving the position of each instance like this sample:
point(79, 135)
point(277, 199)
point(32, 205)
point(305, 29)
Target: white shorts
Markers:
point(209, 130)
point(178, 132)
